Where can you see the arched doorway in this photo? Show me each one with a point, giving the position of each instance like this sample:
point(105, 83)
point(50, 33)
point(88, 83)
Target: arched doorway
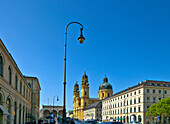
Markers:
point(23, 115)
point(46, 113)
point(8, 103)
point(139, 118)
point(19, 113)
point(55, 113)
point(60, 113)
point(15, 112)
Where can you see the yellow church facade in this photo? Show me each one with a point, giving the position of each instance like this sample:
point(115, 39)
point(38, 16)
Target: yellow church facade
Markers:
point(80, 103)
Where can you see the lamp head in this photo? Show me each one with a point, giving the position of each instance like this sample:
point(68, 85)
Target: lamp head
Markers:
point(81, 38)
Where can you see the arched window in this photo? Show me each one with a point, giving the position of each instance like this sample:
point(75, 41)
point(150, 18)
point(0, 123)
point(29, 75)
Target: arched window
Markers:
point(10, 75)
point(15, 113)
point(21, 87)
point(16, 82)
point(139, 100)
point(8, 102)
point(1, 66)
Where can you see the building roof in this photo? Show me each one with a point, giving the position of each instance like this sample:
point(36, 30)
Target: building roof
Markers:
point(145, 83)
point(94, 105)
point(94, 99)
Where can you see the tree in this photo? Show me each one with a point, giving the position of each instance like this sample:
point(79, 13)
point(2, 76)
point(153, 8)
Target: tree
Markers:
point(160, 108)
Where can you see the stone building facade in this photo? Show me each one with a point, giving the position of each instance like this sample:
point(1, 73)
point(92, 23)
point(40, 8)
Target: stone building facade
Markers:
point(134, 101)
point(15, 92)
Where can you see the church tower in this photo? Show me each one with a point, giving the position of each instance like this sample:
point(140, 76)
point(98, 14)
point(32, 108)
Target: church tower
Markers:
point(105, 89)
point(75, 99)
point(84, 93)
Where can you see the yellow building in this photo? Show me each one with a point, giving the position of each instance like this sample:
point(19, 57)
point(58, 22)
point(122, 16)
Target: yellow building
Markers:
point(80, 103)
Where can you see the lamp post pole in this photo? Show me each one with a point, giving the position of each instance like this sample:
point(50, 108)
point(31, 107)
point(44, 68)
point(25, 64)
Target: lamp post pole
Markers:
point(81, 40)
point(53, 107)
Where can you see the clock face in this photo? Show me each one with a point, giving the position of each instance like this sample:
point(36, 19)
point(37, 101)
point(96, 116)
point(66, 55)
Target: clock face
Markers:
point(85, 89)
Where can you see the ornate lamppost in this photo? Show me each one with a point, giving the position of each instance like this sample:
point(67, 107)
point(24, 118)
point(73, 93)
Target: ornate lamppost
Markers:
point(81, 40)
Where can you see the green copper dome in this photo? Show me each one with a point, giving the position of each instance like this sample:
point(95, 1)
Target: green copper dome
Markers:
point(105, 84)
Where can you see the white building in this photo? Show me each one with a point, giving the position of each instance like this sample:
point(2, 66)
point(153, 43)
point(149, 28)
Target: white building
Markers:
point(134, 101)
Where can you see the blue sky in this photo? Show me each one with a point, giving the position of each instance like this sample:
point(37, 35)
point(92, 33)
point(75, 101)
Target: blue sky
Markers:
point(126, 40)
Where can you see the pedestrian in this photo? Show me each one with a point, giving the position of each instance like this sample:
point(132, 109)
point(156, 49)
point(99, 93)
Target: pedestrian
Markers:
point(72, 121)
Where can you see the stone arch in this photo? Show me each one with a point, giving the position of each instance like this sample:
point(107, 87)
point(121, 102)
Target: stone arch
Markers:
point(46, 113)
point(60, 113)
point(8, 104)
point(55, 113)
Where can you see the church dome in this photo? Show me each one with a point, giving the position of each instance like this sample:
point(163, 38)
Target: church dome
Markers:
point(105, 84)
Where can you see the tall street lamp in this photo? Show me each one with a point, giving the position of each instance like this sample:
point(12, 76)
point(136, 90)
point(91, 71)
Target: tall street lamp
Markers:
point(81, 40)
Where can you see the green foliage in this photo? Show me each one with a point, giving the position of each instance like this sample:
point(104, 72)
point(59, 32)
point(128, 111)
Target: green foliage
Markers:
point(160, 108)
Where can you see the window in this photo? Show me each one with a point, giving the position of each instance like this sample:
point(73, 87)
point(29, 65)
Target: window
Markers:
point(165, 91)
point(159, 91)
point(139, 91)
point(20, 87)
point(24, 91)
point(127, 102)
point(127, 95)
point(138, 109)
point(159, 98)
point(124, 96)
point(148, 99)
point(139, 100)
point(85, 93)
point(134, 109)
point(16, 82)
point(103, 94)
point(130, 102)
point(130, 94)
point(134, 93)
point(147, 90)
point(10, 75)
point(124, 111)
point(108, 94)
point(130, 110)
point(154, 100)
point(113, 106)
point(85, 103)
point(1, 66)
point(121, 97)
point(153, 91)
point(134, 101)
